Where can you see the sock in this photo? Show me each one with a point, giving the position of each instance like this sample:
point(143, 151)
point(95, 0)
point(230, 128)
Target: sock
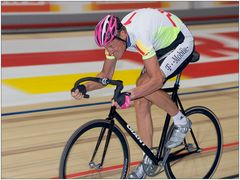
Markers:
point(179, 119)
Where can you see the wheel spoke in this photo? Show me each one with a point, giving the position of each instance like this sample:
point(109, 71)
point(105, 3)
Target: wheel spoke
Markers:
point(107, 150)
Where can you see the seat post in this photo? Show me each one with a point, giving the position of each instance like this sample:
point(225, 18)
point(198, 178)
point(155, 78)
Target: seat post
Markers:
point(177, 80)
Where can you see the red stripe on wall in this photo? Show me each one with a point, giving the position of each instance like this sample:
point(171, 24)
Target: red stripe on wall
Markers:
point(124, 6)
point(185, 19)
point(29, 59)
point(192, 70)
point(213, 47)
point(43, 58)
point(52, 25)
point(232, 35)
point(26, 8)
point(211, 68)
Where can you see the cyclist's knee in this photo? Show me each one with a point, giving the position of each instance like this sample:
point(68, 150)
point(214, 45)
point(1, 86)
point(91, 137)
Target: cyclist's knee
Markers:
point(142, 104)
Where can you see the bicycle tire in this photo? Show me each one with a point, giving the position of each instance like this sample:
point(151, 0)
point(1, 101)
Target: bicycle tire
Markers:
point(84, 129)
point(180, 168)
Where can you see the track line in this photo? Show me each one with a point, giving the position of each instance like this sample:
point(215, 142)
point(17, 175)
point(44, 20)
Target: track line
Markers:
point(115, 167)
point(102, 103)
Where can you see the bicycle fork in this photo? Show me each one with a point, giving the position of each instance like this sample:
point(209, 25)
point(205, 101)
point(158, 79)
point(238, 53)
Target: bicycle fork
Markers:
point(92, 164)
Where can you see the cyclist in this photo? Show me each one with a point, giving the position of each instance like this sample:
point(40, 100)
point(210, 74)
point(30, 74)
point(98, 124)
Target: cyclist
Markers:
point(166, 46)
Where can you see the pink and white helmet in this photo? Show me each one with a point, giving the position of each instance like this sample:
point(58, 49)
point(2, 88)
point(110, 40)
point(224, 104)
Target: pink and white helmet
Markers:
point(106, 30)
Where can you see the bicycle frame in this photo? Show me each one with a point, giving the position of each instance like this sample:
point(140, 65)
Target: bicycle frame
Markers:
point(157, 159)
point(113, 114)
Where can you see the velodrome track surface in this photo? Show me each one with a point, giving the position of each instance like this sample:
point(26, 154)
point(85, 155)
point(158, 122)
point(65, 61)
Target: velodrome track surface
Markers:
point(38, 114)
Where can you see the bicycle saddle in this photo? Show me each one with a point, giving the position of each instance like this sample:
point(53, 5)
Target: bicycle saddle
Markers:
point(195, 57)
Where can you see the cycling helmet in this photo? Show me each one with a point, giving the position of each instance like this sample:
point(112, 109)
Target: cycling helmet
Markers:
point(106, 30)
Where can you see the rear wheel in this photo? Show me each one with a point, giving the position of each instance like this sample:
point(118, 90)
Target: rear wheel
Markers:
point(111, 152)
point(199, 155)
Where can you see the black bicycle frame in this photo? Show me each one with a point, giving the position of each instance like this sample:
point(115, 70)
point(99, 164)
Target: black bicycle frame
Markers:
point(156, 159)
point(160, 152)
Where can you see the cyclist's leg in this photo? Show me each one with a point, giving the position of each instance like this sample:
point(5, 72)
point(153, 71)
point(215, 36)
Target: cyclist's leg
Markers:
point(144, 118)
point(145, 130)
point(143, 112)
point(173, 60)
point(159, 98)
point(143, 109)
point(173, 64)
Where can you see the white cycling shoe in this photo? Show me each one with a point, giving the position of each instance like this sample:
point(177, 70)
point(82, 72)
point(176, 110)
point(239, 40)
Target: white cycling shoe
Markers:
point(139, 172)
point(178, 135)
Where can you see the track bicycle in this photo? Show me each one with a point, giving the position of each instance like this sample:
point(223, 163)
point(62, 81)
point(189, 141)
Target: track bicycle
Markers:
point(99, 148)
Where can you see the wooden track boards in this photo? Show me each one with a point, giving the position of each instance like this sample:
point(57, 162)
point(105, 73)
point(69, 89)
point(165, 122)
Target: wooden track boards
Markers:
point(32, 143)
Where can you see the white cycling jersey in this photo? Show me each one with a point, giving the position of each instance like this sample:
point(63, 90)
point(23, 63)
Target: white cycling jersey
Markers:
point(151, 30)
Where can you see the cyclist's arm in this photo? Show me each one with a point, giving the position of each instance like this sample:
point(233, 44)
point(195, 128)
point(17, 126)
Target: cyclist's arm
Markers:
point(154, 73)
point(106, 72)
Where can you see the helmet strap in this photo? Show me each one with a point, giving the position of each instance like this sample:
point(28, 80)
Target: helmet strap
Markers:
point(117, 37)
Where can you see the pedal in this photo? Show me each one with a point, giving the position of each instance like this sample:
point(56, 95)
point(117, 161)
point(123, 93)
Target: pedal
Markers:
point(190, 148)
point(152, 170)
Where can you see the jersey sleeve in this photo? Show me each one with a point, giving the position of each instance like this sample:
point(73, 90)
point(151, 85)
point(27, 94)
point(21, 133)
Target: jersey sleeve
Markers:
point(144, 46)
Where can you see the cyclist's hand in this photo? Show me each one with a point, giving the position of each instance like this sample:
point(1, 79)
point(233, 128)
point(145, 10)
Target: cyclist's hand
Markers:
point(78, 93)
point(123, 100)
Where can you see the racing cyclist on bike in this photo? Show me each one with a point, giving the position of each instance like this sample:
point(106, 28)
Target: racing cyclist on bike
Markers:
point(166, 46)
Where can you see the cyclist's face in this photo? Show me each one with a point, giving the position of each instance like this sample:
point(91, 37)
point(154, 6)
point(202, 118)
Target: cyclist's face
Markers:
point(116, 48)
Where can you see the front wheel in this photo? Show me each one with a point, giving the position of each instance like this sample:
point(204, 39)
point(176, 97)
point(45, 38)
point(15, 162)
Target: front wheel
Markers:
point(98, 149)
point(200, 153)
